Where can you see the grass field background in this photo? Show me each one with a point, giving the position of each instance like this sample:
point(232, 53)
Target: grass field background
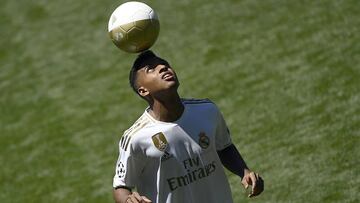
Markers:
point(285, 74)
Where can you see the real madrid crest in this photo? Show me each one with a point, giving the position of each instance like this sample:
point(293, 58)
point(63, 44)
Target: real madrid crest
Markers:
point(160, 141)
point(204, 140)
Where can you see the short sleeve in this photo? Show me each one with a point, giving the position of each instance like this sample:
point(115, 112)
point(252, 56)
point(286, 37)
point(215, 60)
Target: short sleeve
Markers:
point(128, 166)
point(222, 137)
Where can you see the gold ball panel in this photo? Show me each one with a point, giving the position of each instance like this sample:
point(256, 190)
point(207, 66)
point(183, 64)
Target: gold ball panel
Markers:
point(136, 36)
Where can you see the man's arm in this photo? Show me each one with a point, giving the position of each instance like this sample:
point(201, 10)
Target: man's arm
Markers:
point(124, 195)
point(232, 160)
point(121, 194)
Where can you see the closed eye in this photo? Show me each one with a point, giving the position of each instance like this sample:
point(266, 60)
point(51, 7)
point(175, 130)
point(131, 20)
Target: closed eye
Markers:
point(149, 69)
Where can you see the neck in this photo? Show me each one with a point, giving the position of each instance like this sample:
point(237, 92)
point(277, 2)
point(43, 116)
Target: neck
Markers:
point(168, 109)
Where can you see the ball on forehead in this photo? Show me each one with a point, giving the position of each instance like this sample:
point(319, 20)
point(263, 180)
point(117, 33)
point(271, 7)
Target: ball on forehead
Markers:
point(134, 27)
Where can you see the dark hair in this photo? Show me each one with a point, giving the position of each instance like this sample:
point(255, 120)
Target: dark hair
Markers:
point(139, 63)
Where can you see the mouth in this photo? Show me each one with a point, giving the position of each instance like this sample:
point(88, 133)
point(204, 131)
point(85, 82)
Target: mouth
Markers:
point(168, 76)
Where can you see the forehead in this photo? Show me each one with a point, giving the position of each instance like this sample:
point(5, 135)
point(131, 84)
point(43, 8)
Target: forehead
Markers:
point(152, 62)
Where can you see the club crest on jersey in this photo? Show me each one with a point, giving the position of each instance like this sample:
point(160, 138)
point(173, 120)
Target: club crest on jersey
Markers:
point(204, 140)
point(160, 141)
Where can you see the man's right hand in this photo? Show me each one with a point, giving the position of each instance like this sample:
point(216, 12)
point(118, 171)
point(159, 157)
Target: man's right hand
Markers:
point(136, 198)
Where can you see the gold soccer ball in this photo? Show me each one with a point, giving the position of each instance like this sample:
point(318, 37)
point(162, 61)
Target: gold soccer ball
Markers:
point(134, 27)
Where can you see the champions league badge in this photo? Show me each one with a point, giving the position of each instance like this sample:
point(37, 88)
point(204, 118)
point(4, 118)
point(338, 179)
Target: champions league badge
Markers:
point(120, 170)
point(160, 141)
point(204, 140)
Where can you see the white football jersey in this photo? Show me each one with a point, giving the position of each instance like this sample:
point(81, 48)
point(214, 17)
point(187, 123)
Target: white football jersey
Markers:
point(176, 162)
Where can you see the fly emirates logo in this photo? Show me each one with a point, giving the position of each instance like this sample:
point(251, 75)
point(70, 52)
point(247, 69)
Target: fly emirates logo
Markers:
point(195, 171)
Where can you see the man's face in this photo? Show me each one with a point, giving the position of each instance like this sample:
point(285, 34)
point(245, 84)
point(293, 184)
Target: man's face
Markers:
point(156, 77)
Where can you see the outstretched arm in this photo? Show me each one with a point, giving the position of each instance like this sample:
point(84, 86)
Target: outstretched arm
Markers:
point(232, 160)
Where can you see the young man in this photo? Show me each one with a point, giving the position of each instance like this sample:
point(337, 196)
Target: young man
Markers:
point(175, 151)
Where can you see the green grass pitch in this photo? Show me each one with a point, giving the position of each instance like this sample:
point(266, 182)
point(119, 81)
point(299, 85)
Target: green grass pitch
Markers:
point(285, 74)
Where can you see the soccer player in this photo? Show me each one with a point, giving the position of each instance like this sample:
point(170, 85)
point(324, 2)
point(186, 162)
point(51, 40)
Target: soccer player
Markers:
point(176, 150)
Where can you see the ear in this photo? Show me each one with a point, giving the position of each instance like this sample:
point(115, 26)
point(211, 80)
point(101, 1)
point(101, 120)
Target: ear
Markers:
point(143, 91)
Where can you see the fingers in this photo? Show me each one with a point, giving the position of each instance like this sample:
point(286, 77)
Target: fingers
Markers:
point(136, 198)
point(253, 178)
point(256, 182)
point(132, 199)
point(244, 182)
point(257, 187)
point(146, 200)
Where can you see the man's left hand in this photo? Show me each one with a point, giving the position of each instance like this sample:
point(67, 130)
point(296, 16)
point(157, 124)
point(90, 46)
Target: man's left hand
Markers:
point(256, 182)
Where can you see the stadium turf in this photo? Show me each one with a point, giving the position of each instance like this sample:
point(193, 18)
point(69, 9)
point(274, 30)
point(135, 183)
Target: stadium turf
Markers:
point(284, 73)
